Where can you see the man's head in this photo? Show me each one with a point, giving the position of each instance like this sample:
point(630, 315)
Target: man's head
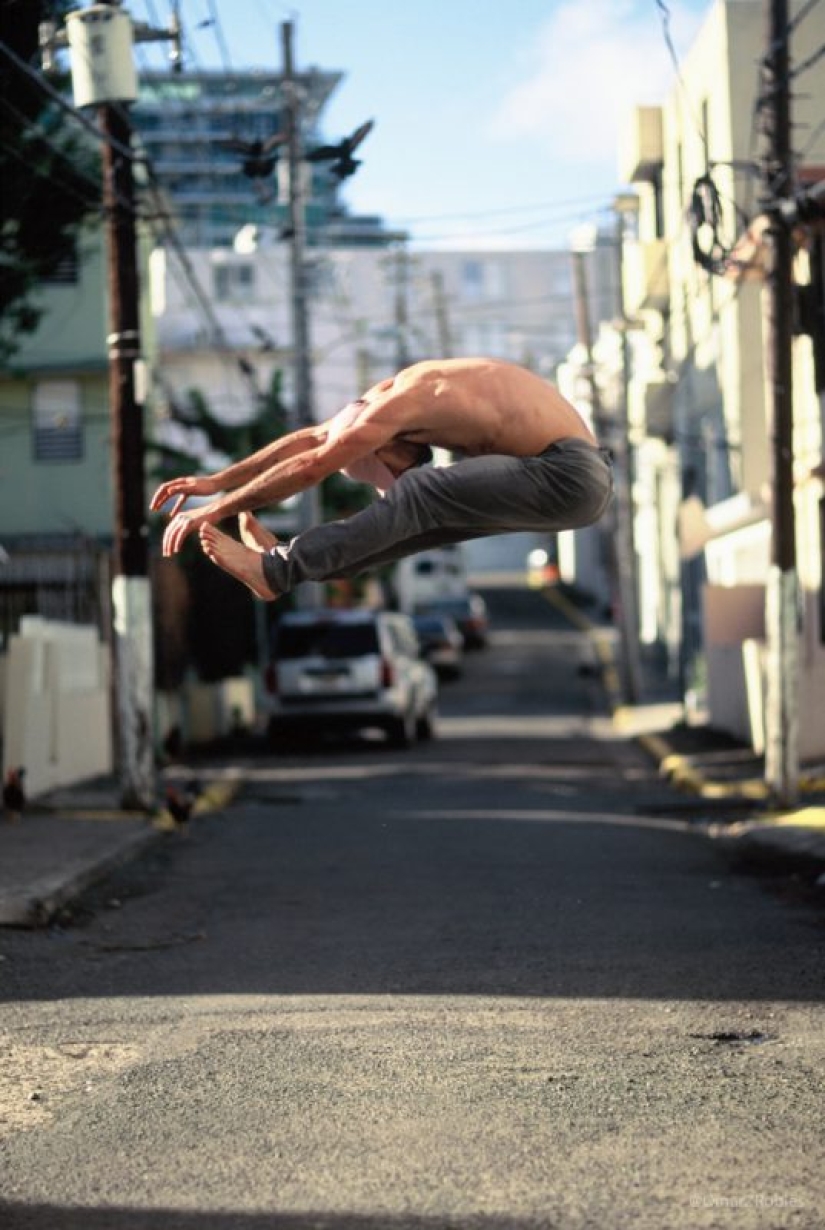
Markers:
point(402, 455)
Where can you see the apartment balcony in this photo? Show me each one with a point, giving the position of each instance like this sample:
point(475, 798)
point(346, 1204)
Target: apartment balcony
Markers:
point(646, 276)
point(641, 146)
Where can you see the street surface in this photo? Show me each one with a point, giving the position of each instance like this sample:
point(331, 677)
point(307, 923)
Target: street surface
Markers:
point(492, 982)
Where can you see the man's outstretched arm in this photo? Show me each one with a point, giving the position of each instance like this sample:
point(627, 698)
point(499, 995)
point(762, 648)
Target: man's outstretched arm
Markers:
point(296, 473)
point(240, 472)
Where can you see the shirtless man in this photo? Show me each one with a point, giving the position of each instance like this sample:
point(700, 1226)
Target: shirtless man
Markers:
point(528, 462)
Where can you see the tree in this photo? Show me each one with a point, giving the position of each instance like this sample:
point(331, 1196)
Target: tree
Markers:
point(49, 172)
point(217, 613)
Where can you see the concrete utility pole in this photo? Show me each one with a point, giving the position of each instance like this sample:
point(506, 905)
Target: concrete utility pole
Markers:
point(442, 316)
point(103, 75)
point(402, 316)
point(621, 543)
point(310, 595)
point(782, 598)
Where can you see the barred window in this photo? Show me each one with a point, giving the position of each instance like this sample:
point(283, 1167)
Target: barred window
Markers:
point(57, 429)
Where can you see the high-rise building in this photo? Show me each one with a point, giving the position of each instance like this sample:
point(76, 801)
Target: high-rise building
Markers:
point(184, 123)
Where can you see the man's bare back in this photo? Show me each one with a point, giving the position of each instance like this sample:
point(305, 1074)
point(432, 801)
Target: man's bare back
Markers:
point(475, 406)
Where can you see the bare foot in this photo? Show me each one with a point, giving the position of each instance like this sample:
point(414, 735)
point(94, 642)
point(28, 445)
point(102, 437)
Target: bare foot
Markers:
point(254, 535)
point(241, 562)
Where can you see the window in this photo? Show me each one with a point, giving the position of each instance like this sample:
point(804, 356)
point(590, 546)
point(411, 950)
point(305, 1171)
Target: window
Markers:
point(65, 270)
point(57, 430)
point(233, 282)
point(472, 279)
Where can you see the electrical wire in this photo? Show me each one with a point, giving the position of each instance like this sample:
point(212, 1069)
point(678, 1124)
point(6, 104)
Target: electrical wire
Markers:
point(665, 15)
point(217, 27)
point(809, 63)
point(54, 94)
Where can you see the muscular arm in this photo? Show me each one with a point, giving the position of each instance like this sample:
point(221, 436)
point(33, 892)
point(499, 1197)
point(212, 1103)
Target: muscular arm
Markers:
point(304, 463)
point(239, 472)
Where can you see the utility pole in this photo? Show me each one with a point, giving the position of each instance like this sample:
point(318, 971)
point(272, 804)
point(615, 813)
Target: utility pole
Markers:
point(782, 601)
point(302, 361)
point(625, 544)
point(442, 318)
point(103, 75)
point(621, 548)
point(402, 319)
point(131, 596)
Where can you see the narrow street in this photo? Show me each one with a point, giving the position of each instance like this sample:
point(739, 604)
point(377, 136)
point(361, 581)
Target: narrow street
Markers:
point(494, 982)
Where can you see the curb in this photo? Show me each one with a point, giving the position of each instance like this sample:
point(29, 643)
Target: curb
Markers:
point(36, 904)
point(798, 834)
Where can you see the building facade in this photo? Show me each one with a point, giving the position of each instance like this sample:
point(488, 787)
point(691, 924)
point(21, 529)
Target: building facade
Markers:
point(699, 422)
point(184, 122)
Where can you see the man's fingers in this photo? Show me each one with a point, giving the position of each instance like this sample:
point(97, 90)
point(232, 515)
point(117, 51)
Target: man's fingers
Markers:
point(179, 503)
point(166, 491)
point(176, 532)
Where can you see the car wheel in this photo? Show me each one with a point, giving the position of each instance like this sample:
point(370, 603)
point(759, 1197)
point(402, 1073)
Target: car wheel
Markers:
point(425, 727)
point(402, 730)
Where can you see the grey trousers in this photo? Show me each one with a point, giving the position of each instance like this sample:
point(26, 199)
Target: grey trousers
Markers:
point(566, 487)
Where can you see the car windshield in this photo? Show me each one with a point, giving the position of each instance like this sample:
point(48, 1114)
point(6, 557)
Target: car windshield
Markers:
point(426, 623)
point(327, 640)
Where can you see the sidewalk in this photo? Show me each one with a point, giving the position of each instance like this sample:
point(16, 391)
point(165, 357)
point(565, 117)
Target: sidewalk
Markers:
point(72, 838)
point(696, 759)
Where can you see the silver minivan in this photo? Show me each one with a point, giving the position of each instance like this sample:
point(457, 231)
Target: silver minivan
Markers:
point(350, 669)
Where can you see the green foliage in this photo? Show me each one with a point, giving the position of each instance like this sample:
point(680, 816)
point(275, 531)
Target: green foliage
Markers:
point(233, 440)
point(49, 173)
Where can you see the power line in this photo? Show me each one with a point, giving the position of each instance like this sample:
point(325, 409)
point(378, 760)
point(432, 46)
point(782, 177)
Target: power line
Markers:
point(54, 94)
point(809, 63)
point(507, 209)
point(215, 22)
point(665, 14)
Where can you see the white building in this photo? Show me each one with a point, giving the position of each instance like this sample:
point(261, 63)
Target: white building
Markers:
point(371, 312)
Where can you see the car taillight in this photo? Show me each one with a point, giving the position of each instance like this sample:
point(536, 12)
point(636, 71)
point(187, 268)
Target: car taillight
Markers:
point(387, 673)
point(271, 678)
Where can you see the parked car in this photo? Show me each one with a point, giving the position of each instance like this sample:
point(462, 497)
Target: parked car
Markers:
point(469, 613)
point(442, 644)
point(350, 670)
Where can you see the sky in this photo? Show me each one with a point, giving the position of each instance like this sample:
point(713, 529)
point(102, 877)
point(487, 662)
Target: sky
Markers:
point(496, 123)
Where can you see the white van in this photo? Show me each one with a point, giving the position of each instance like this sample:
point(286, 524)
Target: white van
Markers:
point(424, 578)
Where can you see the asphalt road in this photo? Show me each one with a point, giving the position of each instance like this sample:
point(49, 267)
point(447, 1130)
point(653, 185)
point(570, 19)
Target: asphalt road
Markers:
point(493, 982)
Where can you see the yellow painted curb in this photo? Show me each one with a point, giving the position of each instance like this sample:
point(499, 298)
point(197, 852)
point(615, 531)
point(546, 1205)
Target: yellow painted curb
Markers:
point(805, 818)
point(683, 775)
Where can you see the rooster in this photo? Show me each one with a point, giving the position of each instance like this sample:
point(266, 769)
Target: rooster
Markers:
point(180, 801)
point(14, 796)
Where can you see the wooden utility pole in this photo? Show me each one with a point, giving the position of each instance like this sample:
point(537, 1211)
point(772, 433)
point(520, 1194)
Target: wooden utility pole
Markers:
point(101, 40)
point(782, 599)
point(131, 596)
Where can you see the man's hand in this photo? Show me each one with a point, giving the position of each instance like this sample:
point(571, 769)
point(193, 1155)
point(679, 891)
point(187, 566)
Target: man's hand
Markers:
point(182, 525)
point(182, 488)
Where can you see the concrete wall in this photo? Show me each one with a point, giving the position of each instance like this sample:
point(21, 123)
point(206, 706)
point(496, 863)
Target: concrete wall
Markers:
point(57, 707)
